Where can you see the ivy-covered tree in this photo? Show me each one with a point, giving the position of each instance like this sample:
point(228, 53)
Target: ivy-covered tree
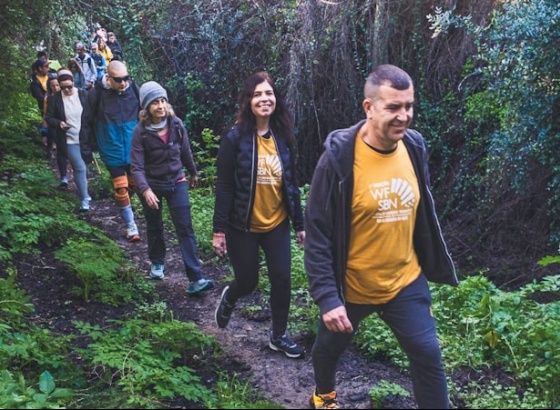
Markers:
point(507, 197)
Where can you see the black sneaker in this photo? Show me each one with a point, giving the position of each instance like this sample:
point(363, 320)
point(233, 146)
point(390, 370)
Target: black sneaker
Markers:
point(224, 310)
point(286, 345)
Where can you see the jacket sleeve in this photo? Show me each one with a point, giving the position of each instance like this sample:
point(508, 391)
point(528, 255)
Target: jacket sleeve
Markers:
point(137, 160)
point(52, 115)
point(226, 164)
point(87, 131)
point(320, 244)
point(38, 93)
point(186, 153)
point(91, 73)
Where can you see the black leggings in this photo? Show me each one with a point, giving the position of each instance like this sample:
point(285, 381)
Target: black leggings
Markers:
point(243, 251)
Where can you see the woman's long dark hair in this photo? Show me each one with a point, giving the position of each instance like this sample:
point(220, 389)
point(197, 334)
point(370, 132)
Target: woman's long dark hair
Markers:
point(280, 120)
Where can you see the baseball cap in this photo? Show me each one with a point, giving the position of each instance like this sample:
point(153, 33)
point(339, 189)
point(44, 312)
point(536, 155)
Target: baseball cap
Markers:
point(39, 63)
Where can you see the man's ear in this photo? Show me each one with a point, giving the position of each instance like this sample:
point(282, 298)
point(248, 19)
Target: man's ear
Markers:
point(366, 104)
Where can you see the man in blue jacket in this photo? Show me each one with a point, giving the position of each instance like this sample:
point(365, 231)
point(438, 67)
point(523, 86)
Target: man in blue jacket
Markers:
point(108, 119)
point(373, 240)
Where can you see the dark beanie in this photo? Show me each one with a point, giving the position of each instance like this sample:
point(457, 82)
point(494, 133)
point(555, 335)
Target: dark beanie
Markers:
point(149, 92)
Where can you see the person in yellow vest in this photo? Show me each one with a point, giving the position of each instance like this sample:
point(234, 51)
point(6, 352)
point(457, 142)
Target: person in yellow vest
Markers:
point(105, 50)
point(257, 194)
point(373, 240)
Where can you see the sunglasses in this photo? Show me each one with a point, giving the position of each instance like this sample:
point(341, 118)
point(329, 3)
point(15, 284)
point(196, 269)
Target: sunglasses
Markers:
point(121, 79)
point(67, 87)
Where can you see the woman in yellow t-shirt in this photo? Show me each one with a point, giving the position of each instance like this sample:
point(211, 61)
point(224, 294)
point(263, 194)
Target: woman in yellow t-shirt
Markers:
point(256, 195)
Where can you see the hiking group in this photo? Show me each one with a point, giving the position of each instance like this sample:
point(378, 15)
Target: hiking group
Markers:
point(370, 231)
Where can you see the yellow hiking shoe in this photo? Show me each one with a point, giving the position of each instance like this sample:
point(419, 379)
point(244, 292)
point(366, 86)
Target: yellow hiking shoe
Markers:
point(323, 401)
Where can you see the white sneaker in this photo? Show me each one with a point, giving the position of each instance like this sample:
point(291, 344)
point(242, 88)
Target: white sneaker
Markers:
point(156, 271)
point(132, 233)
point(84, 207)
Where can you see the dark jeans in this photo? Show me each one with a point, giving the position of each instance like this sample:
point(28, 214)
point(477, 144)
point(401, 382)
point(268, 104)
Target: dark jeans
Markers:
point(410, 318)
point(243, 251)
point(180, 211)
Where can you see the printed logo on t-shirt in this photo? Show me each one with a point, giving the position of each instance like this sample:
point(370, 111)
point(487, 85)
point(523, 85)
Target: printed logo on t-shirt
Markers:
point(394, 200)
point(269, 170)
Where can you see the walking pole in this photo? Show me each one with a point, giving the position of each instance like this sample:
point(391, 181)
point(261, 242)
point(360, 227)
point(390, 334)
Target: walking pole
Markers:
point(97, 165)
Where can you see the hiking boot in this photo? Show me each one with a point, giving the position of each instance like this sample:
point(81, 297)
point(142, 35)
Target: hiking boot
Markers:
point(84, 206)
point(200, 286)
point(132, 233)
point(224, 310)
point(287, 346)
point(323, 401)
point(156, 271)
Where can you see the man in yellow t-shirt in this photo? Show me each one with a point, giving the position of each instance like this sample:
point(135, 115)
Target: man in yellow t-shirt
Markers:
point(373, 239)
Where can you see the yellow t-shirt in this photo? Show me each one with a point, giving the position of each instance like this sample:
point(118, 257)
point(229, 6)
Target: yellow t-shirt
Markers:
point(268, 209)
point(381, 258)
point(43, 80)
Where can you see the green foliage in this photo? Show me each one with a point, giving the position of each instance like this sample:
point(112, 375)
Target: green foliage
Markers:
point(99, 263)
point(479, 325)
point(375, 339)
point(384, 389)
point(202, 207)
point(205, 157)
point(30, 216)
point(14, 303)
point(511, 98)
point(18, 395)
point(496, 396)
point(233, 393)
point(146, 359)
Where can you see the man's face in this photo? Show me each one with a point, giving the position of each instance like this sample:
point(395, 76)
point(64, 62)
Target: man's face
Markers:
point(117, 79)
point(44, 69)
point(94, 49)
point(80, 51)
point(389, 115)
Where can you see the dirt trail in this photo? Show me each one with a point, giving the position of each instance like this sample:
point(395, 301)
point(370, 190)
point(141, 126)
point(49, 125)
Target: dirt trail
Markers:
point(281, 380)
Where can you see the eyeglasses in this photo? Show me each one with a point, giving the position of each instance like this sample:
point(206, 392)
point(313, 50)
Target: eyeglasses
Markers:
point(67, 87)
point(121, 79)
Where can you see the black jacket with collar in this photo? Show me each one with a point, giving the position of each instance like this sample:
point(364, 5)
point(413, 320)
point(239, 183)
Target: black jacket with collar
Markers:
point(236, 181)
point(56, 114)
point(153, 161)
point(328, 216)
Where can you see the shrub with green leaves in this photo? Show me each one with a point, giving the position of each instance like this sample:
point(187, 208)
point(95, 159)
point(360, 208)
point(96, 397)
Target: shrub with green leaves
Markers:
point(147, 360)
point(17, 394)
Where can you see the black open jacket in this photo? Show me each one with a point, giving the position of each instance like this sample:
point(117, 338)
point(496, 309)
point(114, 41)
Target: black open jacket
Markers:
point(328, 216)
point(236, 181)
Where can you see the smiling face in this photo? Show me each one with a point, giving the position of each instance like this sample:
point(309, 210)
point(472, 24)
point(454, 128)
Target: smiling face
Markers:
point(54, 86)
point(67, 87)
point(263, 101)
point(389, 114)
point(158, 110)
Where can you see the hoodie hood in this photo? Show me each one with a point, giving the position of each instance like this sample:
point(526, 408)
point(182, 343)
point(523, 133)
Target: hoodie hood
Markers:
point(339, 148)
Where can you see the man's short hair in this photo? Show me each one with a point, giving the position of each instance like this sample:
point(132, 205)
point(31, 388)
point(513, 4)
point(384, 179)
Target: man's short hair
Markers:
point(389, 74)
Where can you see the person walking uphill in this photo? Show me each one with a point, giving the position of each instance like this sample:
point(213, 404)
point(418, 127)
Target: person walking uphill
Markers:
point(160, 150)
point(108, 119)
point(64, 116)
point(256, 195)
point(373, 240)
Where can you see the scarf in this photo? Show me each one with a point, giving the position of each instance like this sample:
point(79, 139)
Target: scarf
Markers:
point(157, 127)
